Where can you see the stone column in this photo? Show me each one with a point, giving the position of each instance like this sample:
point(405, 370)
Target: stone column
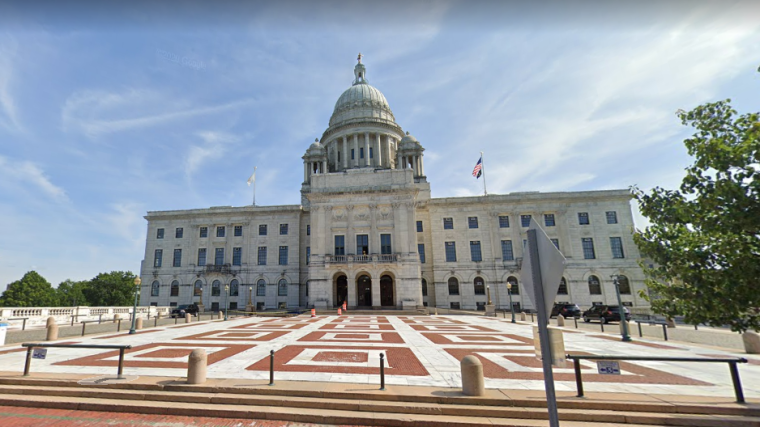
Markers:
point(355, 163)
point(345, 152)
point(375, 292)
point(324, 166)
point(305, 171)
point(422, 166)
point(379, 154)
point(366, 148)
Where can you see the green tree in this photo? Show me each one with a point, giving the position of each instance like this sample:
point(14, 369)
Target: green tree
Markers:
point(116, 288)
point(705, 236)
point(72, 293)
point(31, 291)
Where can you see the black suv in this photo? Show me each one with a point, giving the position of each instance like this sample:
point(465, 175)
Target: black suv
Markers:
point(185, 308)
point(605, 313)
point(566, 310)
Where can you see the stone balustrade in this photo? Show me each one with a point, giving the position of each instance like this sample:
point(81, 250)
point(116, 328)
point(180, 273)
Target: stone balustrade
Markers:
point(37, 316)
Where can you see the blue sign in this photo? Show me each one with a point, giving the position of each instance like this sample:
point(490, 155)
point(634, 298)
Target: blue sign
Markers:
point(608, 367)
point(39, 353)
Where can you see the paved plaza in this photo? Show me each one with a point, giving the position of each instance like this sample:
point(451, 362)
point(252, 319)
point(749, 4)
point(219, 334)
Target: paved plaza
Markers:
point(419, 351)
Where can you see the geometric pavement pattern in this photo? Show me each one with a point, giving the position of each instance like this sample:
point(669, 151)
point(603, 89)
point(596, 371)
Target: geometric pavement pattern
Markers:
point(418, 350)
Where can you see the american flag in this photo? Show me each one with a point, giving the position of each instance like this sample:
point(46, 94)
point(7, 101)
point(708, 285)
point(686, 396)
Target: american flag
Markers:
point(477, 172)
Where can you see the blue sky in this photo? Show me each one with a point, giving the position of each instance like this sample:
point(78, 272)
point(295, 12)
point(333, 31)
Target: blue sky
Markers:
point(107, 112)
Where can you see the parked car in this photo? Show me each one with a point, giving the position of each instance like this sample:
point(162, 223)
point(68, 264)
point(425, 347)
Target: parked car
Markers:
point(181, 310)
point(605, 313)
point(566, 310)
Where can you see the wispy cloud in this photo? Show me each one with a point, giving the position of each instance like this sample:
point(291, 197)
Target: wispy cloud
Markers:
point(215, 145)
point(26, 172)
point(8, 112)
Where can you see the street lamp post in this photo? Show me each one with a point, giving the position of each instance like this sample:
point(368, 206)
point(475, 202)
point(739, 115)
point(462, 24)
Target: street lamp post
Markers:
point(621, 310)
point(134, 307)
point(226, 297)
point(511, 306)
point(488, 291)
point(250, 304)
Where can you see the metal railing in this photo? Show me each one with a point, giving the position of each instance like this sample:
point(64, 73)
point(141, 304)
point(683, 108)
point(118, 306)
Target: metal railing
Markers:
point(731, 364)
point(31, 346)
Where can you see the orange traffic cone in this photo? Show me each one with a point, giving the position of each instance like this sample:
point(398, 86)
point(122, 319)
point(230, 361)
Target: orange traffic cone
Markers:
point(313, 312)
point(339, 311)
point(344, 306)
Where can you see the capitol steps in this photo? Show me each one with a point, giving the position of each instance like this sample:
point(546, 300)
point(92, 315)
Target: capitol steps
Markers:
point(357, 404)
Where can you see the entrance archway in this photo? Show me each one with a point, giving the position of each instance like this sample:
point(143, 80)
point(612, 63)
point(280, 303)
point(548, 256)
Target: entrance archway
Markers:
point(386, 291)
point(364, 291)
point(341, 290)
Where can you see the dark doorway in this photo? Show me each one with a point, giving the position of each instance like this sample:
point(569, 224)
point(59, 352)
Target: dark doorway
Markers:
point(341, 290)
point(386, 291)
point(364, 291)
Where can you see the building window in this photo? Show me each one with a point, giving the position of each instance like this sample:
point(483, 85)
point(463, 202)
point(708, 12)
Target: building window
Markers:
point(506, 250)
point(525, 220)
point(237, 256)
point(233, 305)
point(204, 232)
point(283, 229)
point(624, 285)
point(308, 254)
point(556, 243)
point(158, 257)
point(160, 233)
point(352, 154)
point(234, 288)
point(611, 217)
point(238, 231)
point(220, 231)
point(472, 222)
point(283, 259)
point(583, 218)
point(503, 221)
point(177, 262)
point(219, 256)
point(454, 305)
point(448, 223)
point(594, 287)
point(262, 230)
point(361, 152)
point(616, 243)
point(385, 244)
point(308, 229)
point(419, 226)
point(340, 245)
point(514, 287)
point(362, 244)
point(453, 286)
point(451, 252)
point(421, 251)
point(197, 288)
point(282, 288)
point(479, 286)
point(154, 288)
point(262, 255)
point(178, 232)
point(261, 288)
point(588, 248)
point(216, 288)
point(475, 254)
point(549, 220)
point(424, 287)
point(562, 287)
point(174, 290)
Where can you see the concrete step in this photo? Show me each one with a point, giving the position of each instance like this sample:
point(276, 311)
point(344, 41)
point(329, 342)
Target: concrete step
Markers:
point(337, 410)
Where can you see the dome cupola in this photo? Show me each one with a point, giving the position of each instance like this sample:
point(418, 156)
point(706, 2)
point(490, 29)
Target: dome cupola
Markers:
point(361, 102)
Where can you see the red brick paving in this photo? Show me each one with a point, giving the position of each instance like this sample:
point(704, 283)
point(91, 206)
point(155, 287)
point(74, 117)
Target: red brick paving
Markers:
point(234, 336)
point(386, 337)
point(292, 326)
point(452, 328)
point(361, 327)
point(339, 356)
point(645, 344)
point(99, 359)
point(148, 331)
point(441, 339)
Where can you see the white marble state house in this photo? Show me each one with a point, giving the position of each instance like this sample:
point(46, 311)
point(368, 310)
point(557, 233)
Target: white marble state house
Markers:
point(368, 233)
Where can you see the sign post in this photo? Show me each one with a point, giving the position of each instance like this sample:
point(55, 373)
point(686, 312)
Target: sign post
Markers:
point(541, 272)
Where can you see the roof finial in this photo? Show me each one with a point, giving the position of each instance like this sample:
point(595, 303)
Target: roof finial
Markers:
point(359, 58)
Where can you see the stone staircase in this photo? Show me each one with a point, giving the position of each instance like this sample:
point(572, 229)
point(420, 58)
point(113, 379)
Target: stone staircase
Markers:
point(363, 404)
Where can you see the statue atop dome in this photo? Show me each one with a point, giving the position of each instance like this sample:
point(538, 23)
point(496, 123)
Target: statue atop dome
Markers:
point(360, 72)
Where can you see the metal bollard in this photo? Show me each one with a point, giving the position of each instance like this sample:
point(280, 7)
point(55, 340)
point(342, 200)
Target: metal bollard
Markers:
point(575, 319)
point(531, 317)
point(72, 320)
point(382, 371)
point(271, 367)
point(665, 332)
point(695, 327)
point(100, 318)
point(602, 325)
point(640, 334)
point(121, 363)
point(155, 321)
point(23, 324)
point(118, 325)
point(84, 324)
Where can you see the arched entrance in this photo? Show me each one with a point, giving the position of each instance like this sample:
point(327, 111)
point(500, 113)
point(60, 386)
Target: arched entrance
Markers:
point(341, 290)
point(364, 291)
point(386, 291)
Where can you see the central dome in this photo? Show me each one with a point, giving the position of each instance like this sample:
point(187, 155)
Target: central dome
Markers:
point(361, 103)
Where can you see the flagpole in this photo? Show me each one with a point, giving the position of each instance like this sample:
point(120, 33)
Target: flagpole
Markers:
point(254, 186)
point(483, 169)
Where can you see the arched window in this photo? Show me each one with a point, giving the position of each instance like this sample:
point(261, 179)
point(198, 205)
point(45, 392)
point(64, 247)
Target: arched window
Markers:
point(174, 289)
point(154, 288)
point(562, 287)
point(515, 288)
point(424, 287)
point(282, 288)
point(594, 287)
point(198, 288)
point(234, 285)
point(624, 285)
point(216, 288)
point(480, 286)
point(261, 288)
point(453, 286)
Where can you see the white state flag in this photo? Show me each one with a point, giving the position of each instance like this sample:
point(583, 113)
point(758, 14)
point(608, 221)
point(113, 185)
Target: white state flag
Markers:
point(252, 179)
